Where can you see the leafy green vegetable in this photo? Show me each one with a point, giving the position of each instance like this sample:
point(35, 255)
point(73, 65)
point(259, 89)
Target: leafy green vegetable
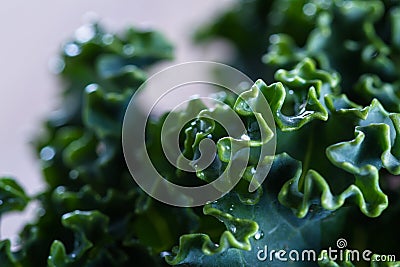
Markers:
point(89, 190)
point(332, 72)
point(353, 53)
point(311, 185)
point(12, 196)
point(341, 37)
point(250, 226)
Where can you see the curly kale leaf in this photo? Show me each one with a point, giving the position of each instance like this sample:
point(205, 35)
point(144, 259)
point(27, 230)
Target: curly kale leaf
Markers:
point(247, 25)
point(327, 169)
point(299, 97)
point(249, 227)
point(89, 190)
point(357, 39)
point(364, 57)
point(333, 156)
point(112, 61)
point(12, 196)
point(95, 244)
point(371, 86)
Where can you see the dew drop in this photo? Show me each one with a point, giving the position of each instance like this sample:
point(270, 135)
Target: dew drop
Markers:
point(201, 175)
point(85, 33)
point(274, 39)
point(309, 9)
point(73, 174)
point(164, 254)
point(259, 235)
point(128, 49)
point(1, 202)
point(233, 229)
point(107, 39)
point(72, 50)
point(245, 137)
point(47, 153)
point(60, 190)
point(91, 88)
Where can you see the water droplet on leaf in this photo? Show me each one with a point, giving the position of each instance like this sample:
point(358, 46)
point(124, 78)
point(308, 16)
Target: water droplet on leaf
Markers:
point(107, 39)
point(73, 174)
point(309, 9)
point(47, 153)
point(85, 33)
point(245, 137)
point(259, 235)
point(128, 49)
point(72, 50)
point(91, 88)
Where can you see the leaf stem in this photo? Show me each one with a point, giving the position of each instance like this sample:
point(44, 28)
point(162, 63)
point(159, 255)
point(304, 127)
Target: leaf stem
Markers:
point(307, 160)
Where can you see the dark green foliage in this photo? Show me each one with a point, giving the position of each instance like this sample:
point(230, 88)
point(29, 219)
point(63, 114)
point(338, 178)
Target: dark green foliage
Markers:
point(333, 74)
point(92, 213)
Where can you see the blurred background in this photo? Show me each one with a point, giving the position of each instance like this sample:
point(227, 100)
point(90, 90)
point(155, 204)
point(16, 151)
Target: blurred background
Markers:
point(32, 33)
